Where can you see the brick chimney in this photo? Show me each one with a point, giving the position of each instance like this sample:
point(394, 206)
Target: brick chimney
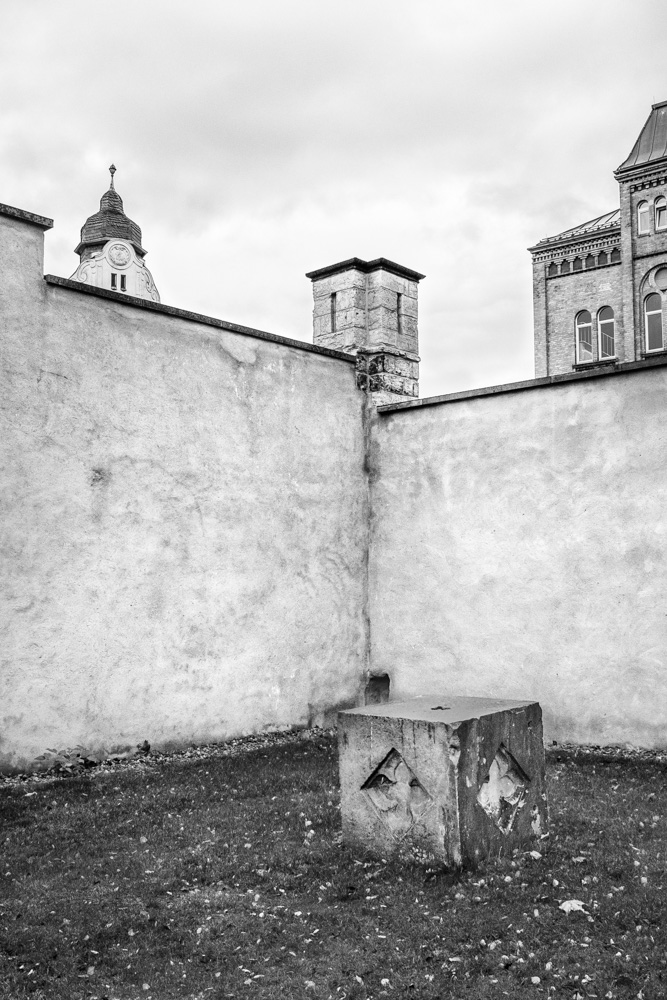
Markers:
point(369, 308)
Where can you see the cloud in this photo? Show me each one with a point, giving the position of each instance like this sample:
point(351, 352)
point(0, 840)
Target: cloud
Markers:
point(257, 141)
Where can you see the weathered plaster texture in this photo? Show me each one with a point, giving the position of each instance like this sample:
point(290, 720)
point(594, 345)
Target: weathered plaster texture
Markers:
point(518, 551)
point(184, 519)
point(460, 778)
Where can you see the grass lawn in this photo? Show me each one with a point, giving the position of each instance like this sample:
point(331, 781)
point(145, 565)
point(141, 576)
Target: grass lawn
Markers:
point(221, 874)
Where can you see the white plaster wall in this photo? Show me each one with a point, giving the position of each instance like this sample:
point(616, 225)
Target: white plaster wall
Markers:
point(184, 525)
point(518, 550)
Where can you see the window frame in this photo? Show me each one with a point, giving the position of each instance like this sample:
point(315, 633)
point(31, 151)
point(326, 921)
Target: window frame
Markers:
point(600, 321)
point(660, 205)
point(653, 312)
point(643, 213)
point(578, 326)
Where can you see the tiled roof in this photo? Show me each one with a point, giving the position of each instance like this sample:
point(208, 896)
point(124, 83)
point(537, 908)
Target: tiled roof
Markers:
point(110, 223)
point(594, 227)
point(652, 142)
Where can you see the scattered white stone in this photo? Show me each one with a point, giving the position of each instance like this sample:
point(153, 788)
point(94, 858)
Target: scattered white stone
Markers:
point(572, 906)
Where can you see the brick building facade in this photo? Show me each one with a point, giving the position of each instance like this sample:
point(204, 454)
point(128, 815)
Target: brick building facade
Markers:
point(600, 288)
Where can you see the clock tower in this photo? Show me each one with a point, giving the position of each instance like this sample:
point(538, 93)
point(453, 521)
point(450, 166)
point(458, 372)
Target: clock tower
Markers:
point(111, 253)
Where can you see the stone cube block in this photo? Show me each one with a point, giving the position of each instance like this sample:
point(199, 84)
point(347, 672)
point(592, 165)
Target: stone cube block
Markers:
point(459, 778)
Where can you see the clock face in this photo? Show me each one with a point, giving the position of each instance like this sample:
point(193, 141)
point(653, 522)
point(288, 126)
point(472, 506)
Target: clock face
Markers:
point(119, 255)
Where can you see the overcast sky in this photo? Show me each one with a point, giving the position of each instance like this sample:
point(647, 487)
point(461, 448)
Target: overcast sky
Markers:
point(255, 141)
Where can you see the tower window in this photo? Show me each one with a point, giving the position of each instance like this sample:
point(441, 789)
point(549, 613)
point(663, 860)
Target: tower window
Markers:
point(123, 283)
point(576, 264)
point(606, 333)
point(114, 279)
point(653, 322)
point(399, 313)
point(552, 269)
point(584, 332)
point(661, 213)
point(603, 259)
point(615, 255)
point(642, 217)
point(333, 312)
point(565, 267)
point(590, 261)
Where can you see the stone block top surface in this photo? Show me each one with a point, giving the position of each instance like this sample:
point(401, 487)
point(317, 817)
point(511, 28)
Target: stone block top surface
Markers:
point(439, 708)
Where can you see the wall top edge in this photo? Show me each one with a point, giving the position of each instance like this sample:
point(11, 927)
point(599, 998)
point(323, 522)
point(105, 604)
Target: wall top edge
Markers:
point(19, 213)
point(366, 266)
point(221, 324)
point(606, 371)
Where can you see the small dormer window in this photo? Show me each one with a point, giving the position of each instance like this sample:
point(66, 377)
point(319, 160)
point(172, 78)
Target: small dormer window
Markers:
point(642, 218)
point(114, 279)
point(661, 213)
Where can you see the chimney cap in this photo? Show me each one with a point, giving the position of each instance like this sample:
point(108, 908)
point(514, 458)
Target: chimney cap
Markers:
point(366, 266)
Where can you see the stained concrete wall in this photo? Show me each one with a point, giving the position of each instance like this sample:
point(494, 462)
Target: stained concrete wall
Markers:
point(184, 519)
point(518, 550)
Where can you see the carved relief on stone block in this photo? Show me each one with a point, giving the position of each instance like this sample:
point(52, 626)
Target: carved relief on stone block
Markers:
point(503, 790)
point(396, 793)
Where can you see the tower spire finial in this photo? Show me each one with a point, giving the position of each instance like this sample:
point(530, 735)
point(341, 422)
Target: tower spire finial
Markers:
point(112, 171)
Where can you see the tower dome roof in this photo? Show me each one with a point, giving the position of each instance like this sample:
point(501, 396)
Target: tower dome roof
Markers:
point(110, 223)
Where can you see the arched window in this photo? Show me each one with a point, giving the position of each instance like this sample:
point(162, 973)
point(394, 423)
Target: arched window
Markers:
point(576, 264)
point(565, 267)
point(660, 213)
point(615, 255)
point(606, 333)
point(603, 259)
point(653, 322)
point(642, 217)
point(552, 269)
point(584, 332)
point(590, 261)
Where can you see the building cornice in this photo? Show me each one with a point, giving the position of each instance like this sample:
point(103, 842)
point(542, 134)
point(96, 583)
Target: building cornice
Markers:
point(562, 248)
point(639, 178)
point(366, 266)
point(570, 248)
